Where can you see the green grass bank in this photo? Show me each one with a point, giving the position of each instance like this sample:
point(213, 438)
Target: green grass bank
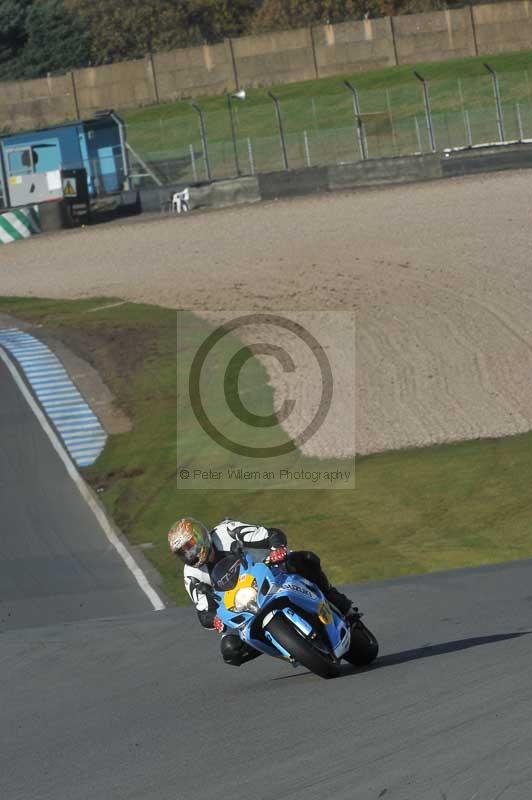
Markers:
point(412, 511)
point(318, 116)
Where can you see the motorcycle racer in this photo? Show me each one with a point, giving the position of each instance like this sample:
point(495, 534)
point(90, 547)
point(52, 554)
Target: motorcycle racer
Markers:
point(201, 549)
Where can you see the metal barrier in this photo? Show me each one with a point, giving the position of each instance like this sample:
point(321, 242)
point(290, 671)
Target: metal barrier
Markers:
point(198, 142)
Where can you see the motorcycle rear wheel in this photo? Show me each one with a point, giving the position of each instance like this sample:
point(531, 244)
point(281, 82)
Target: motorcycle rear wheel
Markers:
point(364, 646)
point(301, 649)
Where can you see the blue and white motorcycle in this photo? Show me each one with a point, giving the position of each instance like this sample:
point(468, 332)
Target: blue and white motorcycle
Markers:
point(287, 616)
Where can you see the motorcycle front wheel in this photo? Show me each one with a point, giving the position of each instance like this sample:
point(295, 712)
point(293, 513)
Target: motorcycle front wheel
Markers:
point(301, 648)
point(364, 647)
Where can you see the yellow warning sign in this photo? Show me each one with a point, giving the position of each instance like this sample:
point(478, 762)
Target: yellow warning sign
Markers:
point(70, 188)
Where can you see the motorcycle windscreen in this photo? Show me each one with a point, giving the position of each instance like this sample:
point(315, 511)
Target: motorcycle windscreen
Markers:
point(225, 574)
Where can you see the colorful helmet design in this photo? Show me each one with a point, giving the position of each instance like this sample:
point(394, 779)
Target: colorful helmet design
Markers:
point(191, 541)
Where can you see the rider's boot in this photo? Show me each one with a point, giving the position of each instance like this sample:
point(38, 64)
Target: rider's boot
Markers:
point(342, 602)
point(308, 564)
point(235, 651)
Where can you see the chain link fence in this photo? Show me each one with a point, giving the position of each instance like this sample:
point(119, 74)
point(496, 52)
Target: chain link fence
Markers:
point(267, 133)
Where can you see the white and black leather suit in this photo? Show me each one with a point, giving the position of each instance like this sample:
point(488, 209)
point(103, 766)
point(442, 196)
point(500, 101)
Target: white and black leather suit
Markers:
point(260, 540)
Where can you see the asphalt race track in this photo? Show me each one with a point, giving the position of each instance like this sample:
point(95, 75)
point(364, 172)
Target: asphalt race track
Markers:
point(56, 565)
point(102, 699)
point(142, 707)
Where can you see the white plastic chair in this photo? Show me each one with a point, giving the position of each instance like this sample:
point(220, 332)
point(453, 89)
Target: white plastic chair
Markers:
point(181, 201)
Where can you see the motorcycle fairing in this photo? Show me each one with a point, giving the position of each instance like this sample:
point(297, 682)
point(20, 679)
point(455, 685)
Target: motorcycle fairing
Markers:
point(281, 592)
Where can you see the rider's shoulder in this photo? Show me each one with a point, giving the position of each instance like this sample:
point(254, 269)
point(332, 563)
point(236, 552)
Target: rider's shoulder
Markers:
point(201, 573)
point(229, 523)
point(231, 527)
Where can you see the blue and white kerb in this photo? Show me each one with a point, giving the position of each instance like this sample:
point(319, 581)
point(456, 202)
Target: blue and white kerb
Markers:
point(76, 423)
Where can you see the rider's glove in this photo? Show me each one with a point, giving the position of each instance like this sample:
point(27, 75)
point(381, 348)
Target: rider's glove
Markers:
point(218, 624)
point(277, 555)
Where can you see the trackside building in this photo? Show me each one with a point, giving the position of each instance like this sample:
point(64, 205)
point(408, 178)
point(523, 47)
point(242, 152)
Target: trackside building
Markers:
point(32, 162)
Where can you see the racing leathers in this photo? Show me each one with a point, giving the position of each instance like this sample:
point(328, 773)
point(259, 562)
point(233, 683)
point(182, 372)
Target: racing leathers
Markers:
point(261, 541)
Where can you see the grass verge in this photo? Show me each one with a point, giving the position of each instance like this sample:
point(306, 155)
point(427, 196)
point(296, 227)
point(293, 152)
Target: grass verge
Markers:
point(412, 511)
point(391, 97)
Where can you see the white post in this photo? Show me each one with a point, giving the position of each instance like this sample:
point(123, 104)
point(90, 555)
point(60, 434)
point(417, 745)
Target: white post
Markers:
point(390, 116)
point(461, 93)
point(193, 163)
point(307, 148)
point(519, 121)
point(250, 156)
point(468, 128)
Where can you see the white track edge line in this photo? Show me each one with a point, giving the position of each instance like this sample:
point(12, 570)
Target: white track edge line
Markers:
point(84, 490)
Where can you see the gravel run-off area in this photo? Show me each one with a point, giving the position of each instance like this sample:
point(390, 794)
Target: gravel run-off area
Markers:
point(439, 276)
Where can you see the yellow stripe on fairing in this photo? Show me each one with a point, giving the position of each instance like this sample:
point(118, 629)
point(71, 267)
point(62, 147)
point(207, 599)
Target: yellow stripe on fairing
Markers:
point(245, 581)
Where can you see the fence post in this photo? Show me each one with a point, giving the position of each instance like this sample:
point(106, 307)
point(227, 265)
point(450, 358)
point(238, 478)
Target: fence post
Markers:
point(123, 148)
point(468, 128)
point(473, 28)
point(203, 135)
point(233, 135)
point(428, 110)
point(229, 46)
point(193, 163)
point(307, 148)
point(519, 121)
point(460, 92)
point(75, 93)
point(390, 115)
point(394, 41)
point(361, 133)
point(498, 106)
point(281, 130)
point(250, 156)
point(313, 48)
point(151, 63)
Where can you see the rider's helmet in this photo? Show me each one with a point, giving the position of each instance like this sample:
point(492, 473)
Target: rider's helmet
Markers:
point(191, 541)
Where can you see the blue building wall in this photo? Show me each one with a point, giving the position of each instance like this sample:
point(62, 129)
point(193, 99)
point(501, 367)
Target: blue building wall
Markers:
point(92, 144)
point(104, 153)
point(67, 154)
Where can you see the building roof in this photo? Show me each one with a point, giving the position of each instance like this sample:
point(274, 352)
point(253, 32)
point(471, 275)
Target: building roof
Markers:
point(100, 118)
